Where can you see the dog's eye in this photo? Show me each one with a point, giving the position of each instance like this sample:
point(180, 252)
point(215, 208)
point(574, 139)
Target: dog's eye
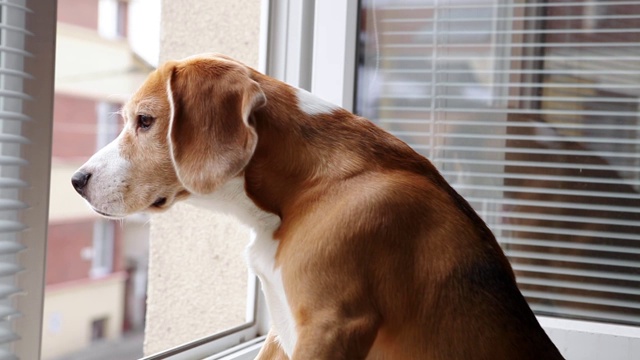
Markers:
point(145, 121)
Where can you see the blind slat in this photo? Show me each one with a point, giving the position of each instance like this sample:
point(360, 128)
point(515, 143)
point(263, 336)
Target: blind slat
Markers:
point(513, 111)
point(511, 5)
point(17, 73)
point(550, 178)
point(510, 32)
point(568, 72)
point(509, 98)
point(545, 165)
point(9, 269)
point(6, 204)
point(7, 312)
point(6, 355)
point(13, 5)
point(525, 280)
point(563, 85)
point(8, 115)
point(564, 218)
point(580, 299)
point(555, 204)
point(553, 244)
point(12, 160)
point(16, 29)
point(538, 151)
point(15, 94)
point(8, 183)
point(513, 18)
point(15, 51)
point(10, 247)
point(7, 226)
point(581, 273)
point(552, 191)
point(571, 258)
point(570, 232)
point(12, 138)
point(8, 291)
point(453, 46)
point(7, 336)
point(550, 58)
point(537, 125)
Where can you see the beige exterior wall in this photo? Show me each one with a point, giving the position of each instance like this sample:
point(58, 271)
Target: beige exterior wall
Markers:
point(197, 274)
point(69, 310)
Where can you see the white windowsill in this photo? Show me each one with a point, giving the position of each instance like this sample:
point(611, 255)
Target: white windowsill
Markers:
point(589, 327)
point(245, 351)
point(249, 350)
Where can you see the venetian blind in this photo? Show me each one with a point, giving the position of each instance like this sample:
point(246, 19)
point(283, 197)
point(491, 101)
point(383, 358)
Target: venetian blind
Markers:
point(26, 84)
point(530, 109)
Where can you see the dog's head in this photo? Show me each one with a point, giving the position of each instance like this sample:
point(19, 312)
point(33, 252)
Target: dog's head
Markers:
point(185, 131)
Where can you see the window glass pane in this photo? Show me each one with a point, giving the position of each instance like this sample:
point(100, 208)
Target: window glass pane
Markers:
point(97, 275)
point(530, 110)
point(95, 290)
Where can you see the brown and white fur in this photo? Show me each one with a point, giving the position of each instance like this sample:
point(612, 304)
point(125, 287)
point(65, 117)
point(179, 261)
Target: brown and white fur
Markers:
point(363, 250)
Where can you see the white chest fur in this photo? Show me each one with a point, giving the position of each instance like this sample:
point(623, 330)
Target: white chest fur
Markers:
point(260, 253)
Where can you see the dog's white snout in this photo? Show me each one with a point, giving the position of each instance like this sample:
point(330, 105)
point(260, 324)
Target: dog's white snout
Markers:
point(102, 180)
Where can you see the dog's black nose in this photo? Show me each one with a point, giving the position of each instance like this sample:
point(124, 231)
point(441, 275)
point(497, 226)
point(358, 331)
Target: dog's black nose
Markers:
point(79, 180)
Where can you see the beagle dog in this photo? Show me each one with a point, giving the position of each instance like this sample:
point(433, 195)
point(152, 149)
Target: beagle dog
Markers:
point(362, 248)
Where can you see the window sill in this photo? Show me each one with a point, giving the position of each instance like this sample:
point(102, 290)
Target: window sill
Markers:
point(245, 351)
point(556, 328)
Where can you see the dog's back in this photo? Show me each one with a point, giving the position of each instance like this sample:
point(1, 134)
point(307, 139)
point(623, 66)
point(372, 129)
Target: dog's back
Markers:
point(386, 219)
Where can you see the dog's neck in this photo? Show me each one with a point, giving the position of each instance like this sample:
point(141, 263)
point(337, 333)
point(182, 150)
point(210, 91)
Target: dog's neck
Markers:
point(304, 143)
point(302, 151)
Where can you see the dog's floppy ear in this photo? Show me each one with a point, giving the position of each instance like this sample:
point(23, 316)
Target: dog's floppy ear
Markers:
point(210, 139)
